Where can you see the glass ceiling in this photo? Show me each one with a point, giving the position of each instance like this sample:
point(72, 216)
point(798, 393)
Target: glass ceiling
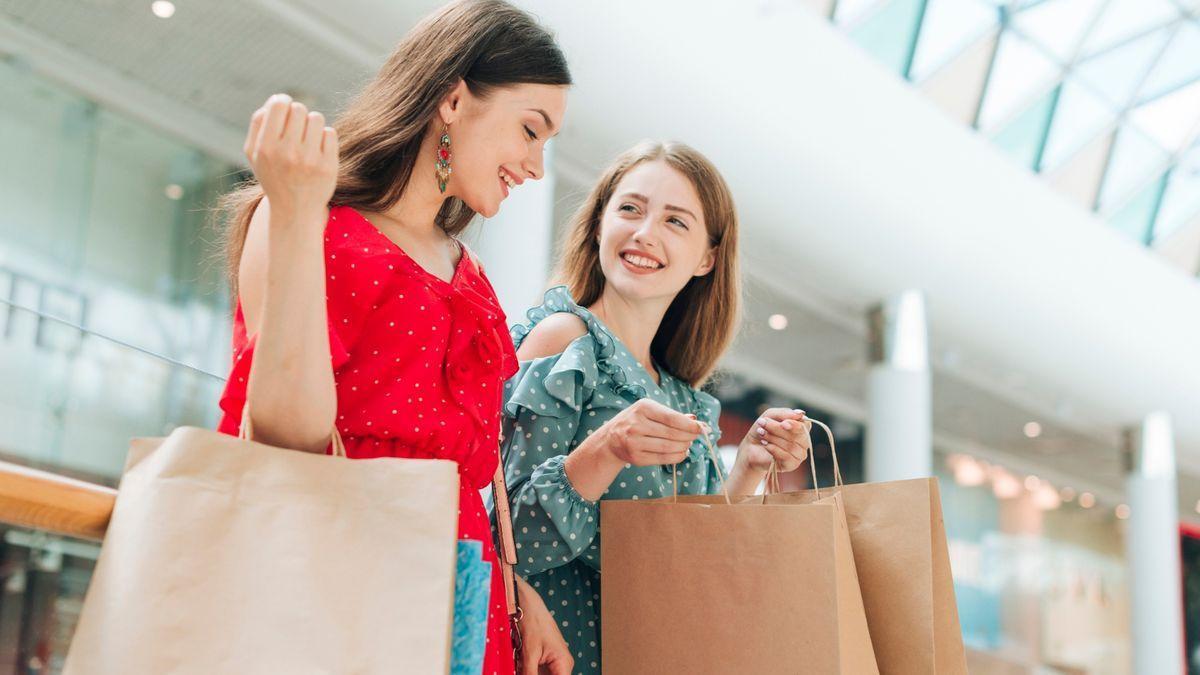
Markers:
point(1101, 97)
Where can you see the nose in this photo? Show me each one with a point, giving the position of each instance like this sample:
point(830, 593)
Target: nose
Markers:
point(534, 165)
point(644, 234)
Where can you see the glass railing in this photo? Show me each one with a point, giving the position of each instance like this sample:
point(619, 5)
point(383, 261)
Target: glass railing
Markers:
point(71, 401)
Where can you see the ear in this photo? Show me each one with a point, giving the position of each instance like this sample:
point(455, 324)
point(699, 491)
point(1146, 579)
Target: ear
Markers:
point(707, 262)
point(450, 109)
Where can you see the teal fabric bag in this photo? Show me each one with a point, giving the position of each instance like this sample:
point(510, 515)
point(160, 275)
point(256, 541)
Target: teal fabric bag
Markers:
point(472, 595)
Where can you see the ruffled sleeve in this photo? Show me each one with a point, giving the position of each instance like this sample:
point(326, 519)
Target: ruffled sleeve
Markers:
point(543, 403)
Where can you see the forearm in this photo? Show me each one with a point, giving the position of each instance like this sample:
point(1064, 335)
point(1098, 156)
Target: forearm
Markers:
point(743, 479)
point(591, 468)
point(291, 390)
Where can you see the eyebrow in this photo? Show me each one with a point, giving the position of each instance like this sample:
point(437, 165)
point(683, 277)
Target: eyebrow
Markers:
point(549, 124)
point(668, 207)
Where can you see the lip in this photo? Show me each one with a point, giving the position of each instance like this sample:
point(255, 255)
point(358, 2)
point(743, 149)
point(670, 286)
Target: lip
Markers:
point(634, 269)
point(516, 179)
point(642, 254)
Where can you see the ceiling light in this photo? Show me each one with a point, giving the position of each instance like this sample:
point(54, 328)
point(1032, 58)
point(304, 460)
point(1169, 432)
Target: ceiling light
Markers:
point(1033, 430)
point(968, 472)
point(163, 9)
point(1087, 500)
point(1067, 494)
point(777, 321)
point(1122, 511)
point(1032, 483)
point(1005, 485)
point(174, 192)
point(1046, 498)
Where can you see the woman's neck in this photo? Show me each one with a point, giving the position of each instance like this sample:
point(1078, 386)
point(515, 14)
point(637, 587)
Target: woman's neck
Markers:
point(634, 322)
point(416, 211)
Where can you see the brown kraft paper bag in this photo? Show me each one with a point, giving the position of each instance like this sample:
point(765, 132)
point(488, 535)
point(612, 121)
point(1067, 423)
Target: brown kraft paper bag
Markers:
point(903, 564)
point(696, 584)
point(229, 556)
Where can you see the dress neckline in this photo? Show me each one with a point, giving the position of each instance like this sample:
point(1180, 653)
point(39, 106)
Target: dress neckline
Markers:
point(459, 267)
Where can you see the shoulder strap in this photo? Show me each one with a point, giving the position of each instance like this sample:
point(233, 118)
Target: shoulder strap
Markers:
point(507, 548)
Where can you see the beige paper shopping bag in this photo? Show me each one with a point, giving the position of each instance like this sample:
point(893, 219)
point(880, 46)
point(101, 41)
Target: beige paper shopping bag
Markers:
point(228, 556)
point(903, 564)
point(697, 585)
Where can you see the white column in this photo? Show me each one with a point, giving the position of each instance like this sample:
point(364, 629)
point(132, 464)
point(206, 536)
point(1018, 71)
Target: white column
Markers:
point(1152, 546)
point(516, 246)
point(899, 426)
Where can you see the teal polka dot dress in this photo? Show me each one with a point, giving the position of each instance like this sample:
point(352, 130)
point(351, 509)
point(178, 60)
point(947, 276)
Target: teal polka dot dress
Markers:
point(551, 405)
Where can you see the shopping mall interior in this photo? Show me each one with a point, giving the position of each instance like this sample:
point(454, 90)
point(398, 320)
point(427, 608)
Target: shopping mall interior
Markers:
point(975, 222)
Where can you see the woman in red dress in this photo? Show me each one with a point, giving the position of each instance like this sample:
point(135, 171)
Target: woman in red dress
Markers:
point(408, 353)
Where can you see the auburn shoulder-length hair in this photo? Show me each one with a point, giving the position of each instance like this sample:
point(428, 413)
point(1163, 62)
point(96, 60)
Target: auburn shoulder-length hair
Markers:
point(487, 44)
point(702, 321)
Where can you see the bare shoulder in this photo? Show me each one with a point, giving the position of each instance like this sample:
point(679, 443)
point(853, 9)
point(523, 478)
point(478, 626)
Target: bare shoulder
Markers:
point(551, 336)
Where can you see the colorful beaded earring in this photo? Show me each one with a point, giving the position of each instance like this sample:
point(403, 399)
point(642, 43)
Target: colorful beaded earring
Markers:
point(443, 159)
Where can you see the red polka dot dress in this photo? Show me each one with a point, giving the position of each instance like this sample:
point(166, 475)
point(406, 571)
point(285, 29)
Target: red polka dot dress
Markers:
point(419, 364)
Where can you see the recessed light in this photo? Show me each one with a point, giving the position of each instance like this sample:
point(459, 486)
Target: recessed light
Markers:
point(1032, 483)
point(1122, 511)
point(163, 9)
point(1067, 494)
point(1087, 500)
point(174, 192)
point(1005, 485)
point(1033, 430)
point(777, 321)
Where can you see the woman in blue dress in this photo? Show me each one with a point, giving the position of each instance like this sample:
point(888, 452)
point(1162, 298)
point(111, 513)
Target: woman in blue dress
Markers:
point(607, 402)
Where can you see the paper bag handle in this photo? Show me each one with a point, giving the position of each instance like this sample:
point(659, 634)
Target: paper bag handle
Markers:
point(773, 487)
point(716, 460)
point(246, 432)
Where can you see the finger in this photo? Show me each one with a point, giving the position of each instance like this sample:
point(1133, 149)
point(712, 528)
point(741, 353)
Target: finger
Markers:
point(673, 418)
point(787, 429)
point(661, 446)
point(653, 429)
point(256, 123)
point(529, 659)
point(314, 129)
point(561, 666)
point(277, 113)
point(785, 459)
point(297, 119)
point(329, 143)
point(781, 414)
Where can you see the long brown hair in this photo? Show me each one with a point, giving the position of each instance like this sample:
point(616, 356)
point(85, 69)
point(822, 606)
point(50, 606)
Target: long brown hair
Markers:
point(702, 320)
point(488, 44)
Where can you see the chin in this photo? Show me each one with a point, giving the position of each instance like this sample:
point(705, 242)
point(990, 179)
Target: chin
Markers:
point(487, 208)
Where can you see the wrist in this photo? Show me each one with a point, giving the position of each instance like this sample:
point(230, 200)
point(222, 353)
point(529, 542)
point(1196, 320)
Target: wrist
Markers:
point(287, 219)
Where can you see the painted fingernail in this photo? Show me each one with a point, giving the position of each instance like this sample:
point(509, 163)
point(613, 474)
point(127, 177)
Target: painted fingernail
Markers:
point(761, 431)
point(763, 441)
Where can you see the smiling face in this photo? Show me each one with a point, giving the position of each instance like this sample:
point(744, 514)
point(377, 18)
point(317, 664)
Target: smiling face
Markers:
point(497, 141)
point(653, 236)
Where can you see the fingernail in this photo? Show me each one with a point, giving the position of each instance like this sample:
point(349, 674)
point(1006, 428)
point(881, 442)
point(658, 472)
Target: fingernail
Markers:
point(761, 431)
point(798, 411)
point(787, 426)
point(691, 416)
point(763, 441)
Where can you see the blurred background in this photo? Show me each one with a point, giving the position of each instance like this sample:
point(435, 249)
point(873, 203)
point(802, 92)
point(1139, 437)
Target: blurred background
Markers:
point(971, 239)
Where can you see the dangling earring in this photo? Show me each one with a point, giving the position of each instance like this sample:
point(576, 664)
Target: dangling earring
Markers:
point(443, 159)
